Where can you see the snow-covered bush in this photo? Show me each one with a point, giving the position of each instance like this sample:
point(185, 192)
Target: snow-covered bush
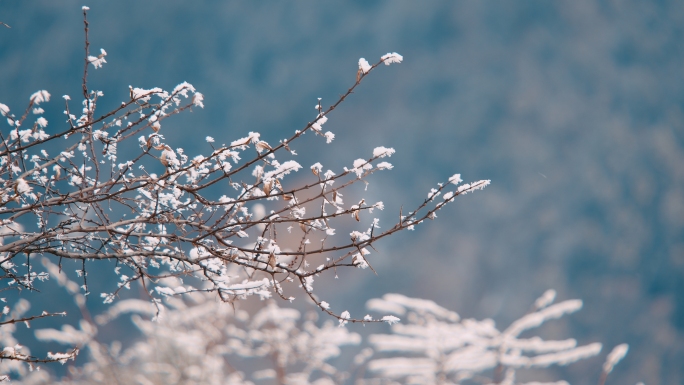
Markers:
point(199, 340)
point(437, 346)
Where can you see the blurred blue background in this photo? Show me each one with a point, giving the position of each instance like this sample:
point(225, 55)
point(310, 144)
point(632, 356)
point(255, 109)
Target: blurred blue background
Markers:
point(574, 110)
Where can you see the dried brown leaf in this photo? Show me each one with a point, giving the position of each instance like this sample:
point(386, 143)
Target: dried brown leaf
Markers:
point(272, 260)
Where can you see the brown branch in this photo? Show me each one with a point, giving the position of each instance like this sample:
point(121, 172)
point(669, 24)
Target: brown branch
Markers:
point(13, 321)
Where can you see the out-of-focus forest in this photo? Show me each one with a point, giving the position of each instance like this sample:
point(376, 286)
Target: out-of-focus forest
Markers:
point(574, 110)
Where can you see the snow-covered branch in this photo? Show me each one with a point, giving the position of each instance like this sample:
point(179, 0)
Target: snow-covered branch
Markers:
point(228, 220)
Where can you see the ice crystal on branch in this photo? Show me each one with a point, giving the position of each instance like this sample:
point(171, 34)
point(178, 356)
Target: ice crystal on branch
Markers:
point(40, 97)
point(364, 66)
point(392, 58)
point(617, 354)
point(99, 60)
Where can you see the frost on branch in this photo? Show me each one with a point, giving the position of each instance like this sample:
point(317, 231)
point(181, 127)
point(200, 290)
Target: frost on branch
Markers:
point(364, 66)
point(392, 58)
point(614, 357)
point(99, 60)
point(13, 356)
point(438, 346)
point(40, 97)
point(617, 354)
